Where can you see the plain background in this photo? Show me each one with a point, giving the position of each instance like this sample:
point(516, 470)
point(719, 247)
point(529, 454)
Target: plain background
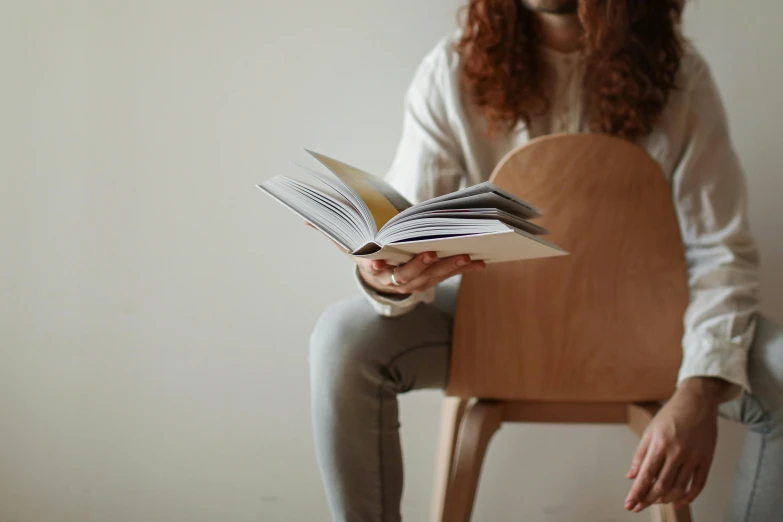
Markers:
point(155, 307)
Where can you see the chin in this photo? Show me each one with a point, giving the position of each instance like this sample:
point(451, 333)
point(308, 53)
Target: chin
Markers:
point(552, 6)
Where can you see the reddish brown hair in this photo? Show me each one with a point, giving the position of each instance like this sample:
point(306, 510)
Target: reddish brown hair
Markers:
point(632, 51)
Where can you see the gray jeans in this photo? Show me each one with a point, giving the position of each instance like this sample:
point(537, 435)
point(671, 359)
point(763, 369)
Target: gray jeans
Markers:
point(360, 361)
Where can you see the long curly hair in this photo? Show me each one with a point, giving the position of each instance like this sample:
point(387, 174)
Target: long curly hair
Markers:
point(632, 51)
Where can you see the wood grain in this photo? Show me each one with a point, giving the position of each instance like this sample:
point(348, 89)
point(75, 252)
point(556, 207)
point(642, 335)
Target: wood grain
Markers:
point(603, 324)
point(667, 513)
point(452, 412)
point(565, 412)
point(479, 423)
point(640, 415)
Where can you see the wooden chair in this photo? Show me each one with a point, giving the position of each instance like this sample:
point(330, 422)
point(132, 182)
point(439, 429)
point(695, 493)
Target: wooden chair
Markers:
point(593, 337)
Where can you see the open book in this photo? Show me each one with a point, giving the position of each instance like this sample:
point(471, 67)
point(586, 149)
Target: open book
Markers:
point(366, 217)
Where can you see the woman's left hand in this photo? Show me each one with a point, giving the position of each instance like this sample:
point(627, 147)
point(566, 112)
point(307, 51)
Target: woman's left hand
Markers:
point(674, 456)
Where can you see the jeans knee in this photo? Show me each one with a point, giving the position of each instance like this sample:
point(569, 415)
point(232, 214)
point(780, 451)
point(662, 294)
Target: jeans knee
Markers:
point(343, 347)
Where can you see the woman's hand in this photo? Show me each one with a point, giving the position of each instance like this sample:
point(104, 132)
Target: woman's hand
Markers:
point(420, 273)
point(676, 450)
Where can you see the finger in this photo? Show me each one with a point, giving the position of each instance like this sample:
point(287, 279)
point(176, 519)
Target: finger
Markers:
point(646, 478)
point(382, 280)
point(423, 282)
point(680, 485)
point(410, 270)
point(309, 224)
point(377, 266)
point(697, 484)
point(438, 269)
point(447, 267)
point(638, 457)
point(665, 481)
point(377, 274)
point(371, 267)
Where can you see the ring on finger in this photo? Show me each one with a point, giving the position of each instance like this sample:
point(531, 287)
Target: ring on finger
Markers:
point(394, 280)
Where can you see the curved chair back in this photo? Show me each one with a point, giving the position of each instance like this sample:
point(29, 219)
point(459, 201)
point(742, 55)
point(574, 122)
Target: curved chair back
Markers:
point(602, 324)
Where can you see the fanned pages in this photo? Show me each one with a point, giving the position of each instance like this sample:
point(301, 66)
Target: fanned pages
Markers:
point(368, 218)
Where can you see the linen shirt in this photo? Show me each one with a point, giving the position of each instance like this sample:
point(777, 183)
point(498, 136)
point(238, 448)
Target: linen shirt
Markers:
point(444, 147)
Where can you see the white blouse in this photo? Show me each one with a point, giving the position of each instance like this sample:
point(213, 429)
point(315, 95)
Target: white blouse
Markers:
point(443, 148)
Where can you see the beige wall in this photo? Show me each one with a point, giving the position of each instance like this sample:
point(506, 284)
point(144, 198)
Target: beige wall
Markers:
point(153, 325)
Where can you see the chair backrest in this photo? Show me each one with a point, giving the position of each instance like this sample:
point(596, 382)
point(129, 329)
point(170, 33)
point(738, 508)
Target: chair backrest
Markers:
point(602, 324)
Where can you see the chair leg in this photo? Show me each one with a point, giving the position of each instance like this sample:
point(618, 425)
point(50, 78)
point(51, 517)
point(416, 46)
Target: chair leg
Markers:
point(639, 417)
point(479, 423)
point(451, 413)
point(667, 513)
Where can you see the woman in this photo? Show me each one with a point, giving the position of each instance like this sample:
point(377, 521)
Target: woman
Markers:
point(518, 70)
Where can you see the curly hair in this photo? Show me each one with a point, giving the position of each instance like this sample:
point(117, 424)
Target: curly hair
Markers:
point(632, 51)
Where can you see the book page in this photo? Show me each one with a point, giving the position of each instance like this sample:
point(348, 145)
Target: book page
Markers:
point(483, 195)
point(468, 214)
point(498, 247)
point(331, 216)
point(381, 199)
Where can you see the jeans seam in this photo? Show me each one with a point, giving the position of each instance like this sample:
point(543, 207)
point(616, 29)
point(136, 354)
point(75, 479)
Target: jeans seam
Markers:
point(380, 421)
point(763, 432)
point(755, 478)
point(380, 453)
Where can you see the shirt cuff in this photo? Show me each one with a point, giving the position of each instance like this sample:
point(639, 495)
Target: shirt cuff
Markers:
point(704, 356)
point(391, 306)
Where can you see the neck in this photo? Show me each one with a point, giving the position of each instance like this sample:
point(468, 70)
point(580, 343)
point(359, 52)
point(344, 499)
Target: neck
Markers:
point(561, 32)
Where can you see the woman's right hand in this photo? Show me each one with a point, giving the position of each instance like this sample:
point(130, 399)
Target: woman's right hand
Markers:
point(420, 273)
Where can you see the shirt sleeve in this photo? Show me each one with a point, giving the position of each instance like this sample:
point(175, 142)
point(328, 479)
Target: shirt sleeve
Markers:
point(710, 196)
point(428, 161)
